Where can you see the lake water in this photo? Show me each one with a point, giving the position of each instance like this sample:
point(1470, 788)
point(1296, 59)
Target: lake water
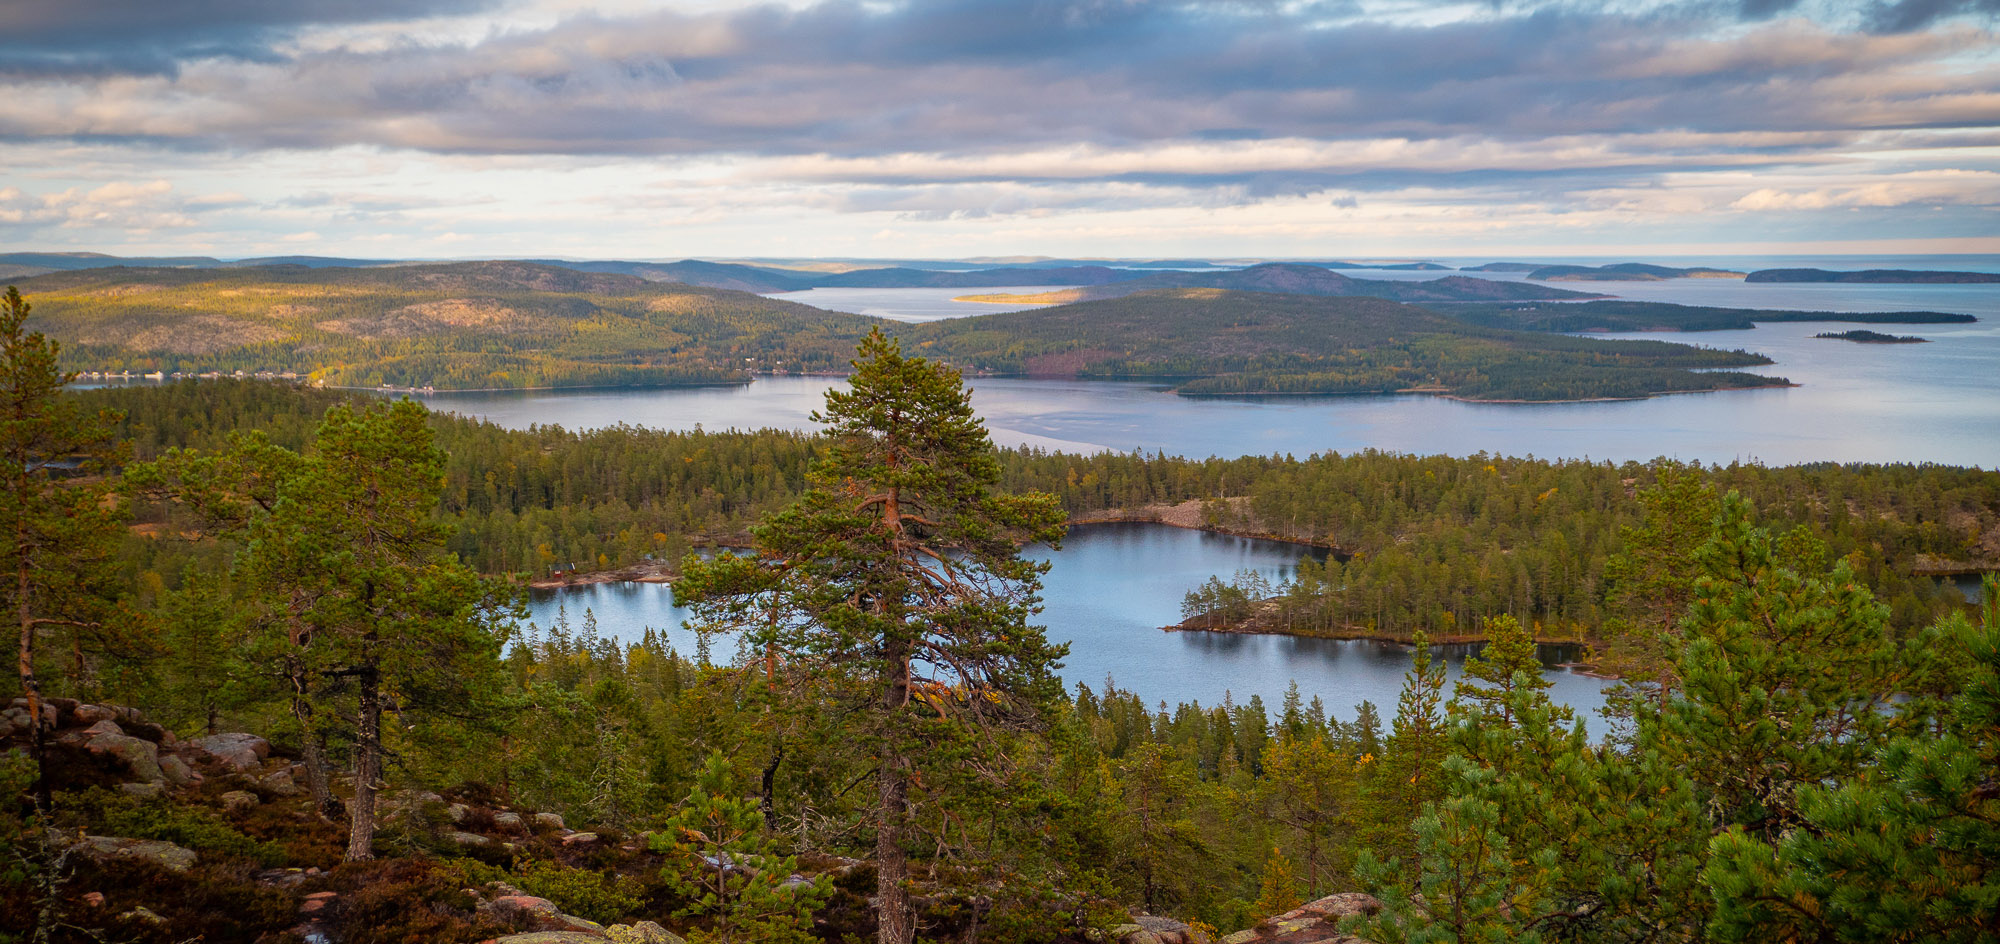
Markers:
point(1109, 591)
point(1935, 402)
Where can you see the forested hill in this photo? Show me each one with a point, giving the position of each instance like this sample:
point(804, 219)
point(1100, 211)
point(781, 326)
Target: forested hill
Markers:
point(1216, 341)
point(1298, 279)
point(452, 326)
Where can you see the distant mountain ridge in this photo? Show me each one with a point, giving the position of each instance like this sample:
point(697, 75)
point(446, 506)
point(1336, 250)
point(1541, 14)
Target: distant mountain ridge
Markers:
point(1290, 278)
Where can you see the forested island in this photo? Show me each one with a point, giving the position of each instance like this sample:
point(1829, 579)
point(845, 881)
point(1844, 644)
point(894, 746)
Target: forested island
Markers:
point(270, 689)
point(1620, 315)
point(1876, 276)
point(1871, 337)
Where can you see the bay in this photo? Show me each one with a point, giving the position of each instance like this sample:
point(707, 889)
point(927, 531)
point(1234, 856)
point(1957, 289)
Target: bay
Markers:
point(1109, 590)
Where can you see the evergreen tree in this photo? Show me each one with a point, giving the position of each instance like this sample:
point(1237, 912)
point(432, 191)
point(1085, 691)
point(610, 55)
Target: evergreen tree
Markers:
point(900, 570)
point(719, 858)
point(1911, 853)
point(61, 528)
point(354, 556)
point(1507, 665)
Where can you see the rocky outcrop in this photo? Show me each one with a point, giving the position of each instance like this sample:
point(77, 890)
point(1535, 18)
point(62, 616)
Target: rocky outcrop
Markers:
point(1153, 929)
point(237, 751)
point(163, 854)
point(1316, 922)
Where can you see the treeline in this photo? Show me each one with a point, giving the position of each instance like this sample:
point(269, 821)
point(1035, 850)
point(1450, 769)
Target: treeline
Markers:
point(1427, 542)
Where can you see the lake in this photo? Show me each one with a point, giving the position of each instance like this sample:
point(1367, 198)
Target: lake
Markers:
point(1110, 589)
point(1935, 402)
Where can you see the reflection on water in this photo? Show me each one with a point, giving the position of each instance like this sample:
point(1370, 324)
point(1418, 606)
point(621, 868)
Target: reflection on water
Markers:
point(1110, 590)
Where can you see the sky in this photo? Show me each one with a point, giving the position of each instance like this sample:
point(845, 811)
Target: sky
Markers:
point(967, 128)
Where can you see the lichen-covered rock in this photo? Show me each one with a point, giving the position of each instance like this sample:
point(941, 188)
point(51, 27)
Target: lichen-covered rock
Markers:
point(507, 820)
point(551, 937)
point(575, 923)
point(139, 757)
point(642, 932)
point(1170, 931)
point(468, 839)
point(91, 714)
point(237, 750)
point(164, 854)
point(177, 770)
point(548, 821)
point(280, 782)
point(525, 905)
point(236, 801)
point(579, 839)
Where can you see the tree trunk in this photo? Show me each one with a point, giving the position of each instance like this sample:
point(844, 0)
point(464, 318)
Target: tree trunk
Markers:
point(367, 769)
point(894, 922)
point(311, 748)
point(31, 687)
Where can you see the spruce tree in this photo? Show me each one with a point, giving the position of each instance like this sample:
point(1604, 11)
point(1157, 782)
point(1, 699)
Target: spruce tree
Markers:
point(899, 571)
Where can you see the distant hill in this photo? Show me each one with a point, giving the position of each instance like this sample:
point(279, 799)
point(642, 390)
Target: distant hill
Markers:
point(64, 261)
point(1503, 267)
point(1625, 272)
point(1290, 278)
point(469, 325)
point(723, 275)
point(1620, 315)
point(1212, 341)
point(1880, 276)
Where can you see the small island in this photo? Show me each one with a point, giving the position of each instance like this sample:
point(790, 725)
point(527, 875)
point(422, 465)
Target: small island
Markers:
point(1864, 336)
point(1873, 276)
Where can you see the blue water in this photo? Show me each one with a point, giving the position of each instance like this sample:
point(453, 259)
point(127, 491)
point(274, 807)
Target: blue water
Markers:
point(1109, 591)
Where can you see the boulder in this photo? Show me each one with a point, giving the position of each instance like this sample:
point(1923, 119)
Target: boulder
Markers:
point(579, 839)
point(144, 791)
point(280, 782)
point(642, 932)
point(575, 923)
point(551, 937)
point(164, 854)
point(468, 839)
point(177, 770)
point(1315, 922)
point(1134, 934)
point(106, 726)
point(457, 812)
point(237, 751)
point(92, 714)
point(510, 821)
point(516, 906)
point(236, 801)
point(138, 756)
point(547, 821)
point(1170, 931)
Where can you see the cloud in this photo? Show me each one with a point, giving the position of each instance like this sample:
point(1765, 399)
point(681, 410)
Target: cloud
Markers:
point(148, 36)
point(1905, 15)
point(127, 205)
point(988, 76)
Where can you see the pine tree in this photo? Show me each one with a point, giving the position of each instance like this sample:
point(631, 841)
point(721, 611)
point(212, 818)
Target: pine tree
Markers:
point(899, 569)
point(56, 511)
point(1506, 665)
point(1910, 853)
point(378, 614)
point(720, 859)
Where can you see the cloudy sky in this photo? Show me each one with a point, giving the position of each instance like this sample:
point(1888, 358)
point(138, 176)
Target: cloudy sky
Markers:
point(1286, 128)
